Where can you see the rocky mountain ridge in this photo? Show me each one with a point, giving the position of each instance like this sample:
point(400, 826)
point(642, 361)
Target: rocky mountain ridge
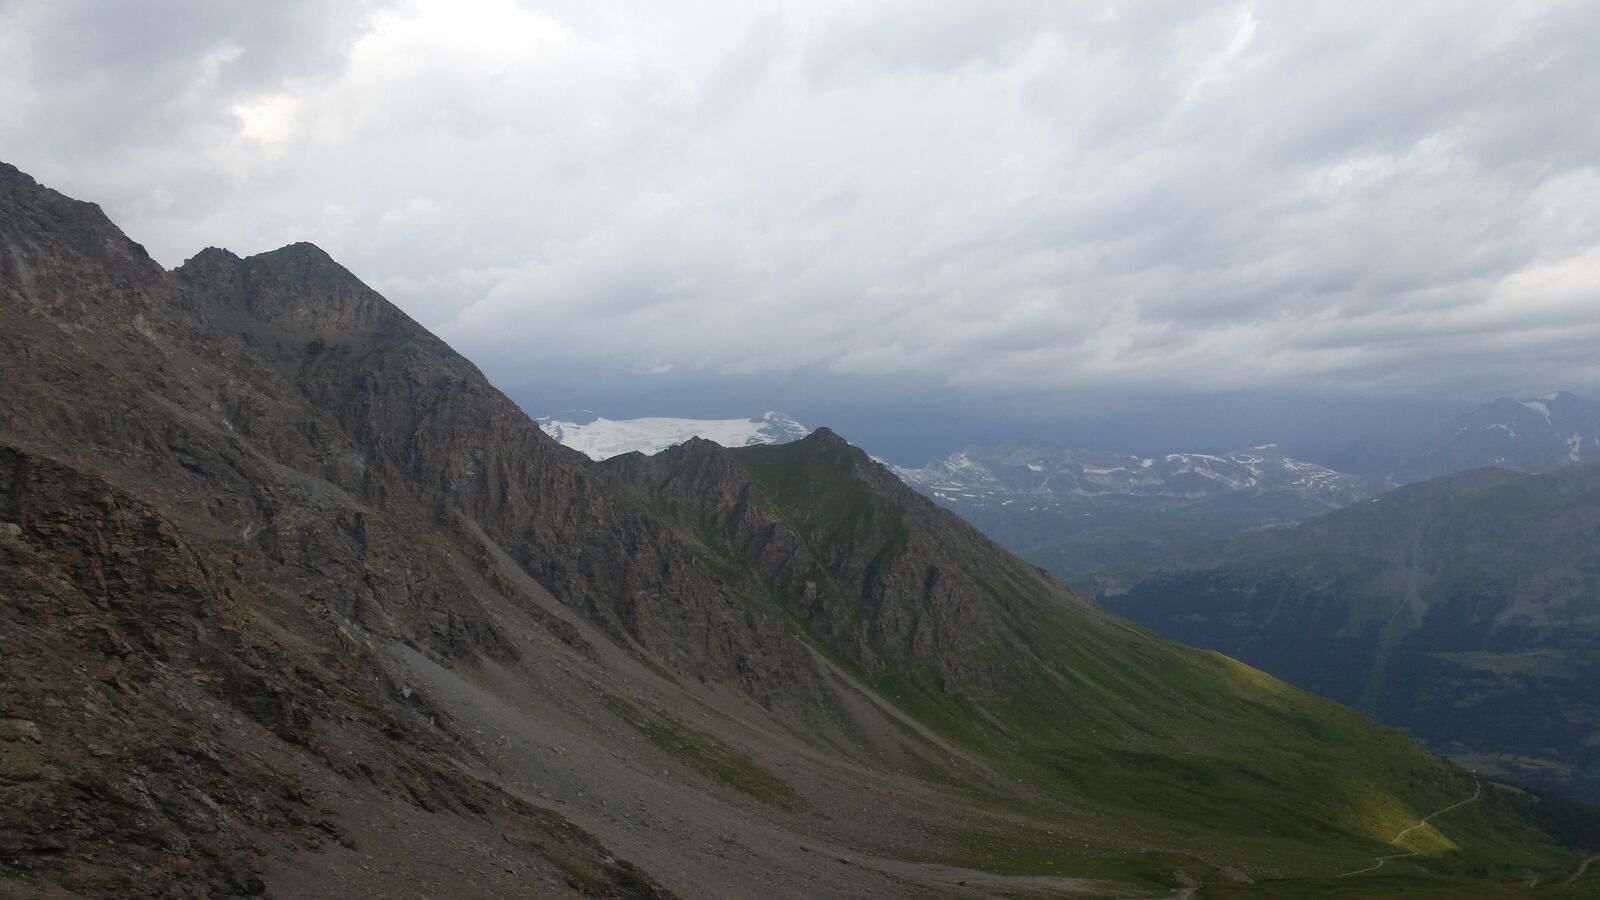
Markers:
point(322, 472)
point(883, 591)
point(1043, 473)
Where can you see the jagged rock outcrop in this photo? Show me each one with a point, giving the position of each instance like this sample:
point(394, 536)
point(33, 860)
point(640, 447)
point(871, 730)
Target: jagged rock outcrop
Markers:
point(875, 569)
point(428, 435)
point(189, 539)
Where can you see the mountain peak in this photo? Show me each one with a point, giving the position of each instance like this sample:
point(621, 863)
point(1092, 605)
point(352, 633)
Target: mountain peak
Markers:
point(823, 436)
point(696, 445)
point(1555, 429)
point(299, 289)
point(301, 250)
point(10, 173)
point(40, 222)
point(213, 256)
point(306, 261)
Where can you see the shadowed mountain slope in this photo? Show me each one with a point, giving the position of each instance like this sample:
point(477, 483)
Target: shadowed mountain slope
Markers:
point(1465, 609)
point(297, 603)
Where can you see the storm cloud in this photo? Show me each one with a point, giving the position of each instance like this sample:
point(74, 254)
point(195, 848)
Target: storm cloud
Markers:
point(1028, 204)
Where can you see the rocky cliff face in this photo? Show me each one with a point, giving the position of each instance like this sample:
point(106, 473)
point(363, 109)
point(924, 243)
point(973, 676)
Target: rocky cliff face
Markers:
point(201, 570)
point(430, 437)
point(876, 570)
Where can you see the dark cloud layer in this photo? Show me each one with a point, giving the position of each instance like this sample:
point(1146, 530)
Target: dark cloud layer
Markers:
point(1059, 212)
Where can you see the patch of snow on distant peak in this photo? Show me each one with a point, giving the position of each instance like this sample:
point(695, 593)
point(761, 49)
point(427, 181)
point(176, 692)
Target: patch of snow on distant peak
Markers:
point(602, 438)
point(1538, 407)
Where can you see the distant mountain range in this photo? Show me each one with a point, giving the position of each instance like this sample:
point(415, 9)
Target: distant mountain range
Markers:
point(601, 438)
point(1102, 519)
point(1552, 430)
point(1465, 609)
point(1037, 474)
point(1097, 518)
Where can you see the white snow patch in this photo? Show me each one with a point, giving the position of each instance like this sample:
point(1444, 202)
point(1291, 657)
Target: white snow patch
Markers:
point(605, 438)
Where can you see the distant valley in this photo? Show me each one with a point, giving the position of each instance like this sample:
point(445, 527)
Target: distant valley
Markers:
point(1097, 519)
point(1461, 608)
point(1103, 520)
point(1465, 609)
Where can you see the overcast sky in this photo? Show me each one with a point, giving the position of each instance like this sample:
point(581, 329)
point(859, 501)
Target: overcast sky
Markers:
point(1108, 221)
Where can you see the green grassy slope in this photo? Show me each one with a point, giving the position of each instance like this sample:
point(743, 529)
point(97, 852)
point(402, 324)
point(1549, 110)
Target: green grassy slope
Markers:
point(1462, 609)
point(1192, 760)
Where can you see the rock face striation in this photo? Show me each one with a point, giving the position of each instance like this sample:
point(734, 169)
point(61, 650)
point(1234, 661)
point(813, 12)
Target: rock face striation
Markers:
point(876, 571)
point(295, 603)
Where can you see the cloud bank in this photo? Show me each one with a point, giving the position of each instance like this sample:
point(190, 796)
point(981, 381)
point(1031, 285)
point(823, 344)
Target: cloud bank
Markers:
point(1047, 200)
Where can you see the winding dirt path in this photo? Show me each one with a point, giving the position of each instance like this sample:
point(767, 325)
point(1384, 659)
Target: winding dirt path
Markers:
point(1582, 869)
point(1380, 860)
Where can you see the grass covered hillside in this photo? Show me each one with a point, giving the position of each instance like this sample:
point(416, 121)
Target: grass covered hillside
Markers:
point(1464, 609)
point(1178, 756)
